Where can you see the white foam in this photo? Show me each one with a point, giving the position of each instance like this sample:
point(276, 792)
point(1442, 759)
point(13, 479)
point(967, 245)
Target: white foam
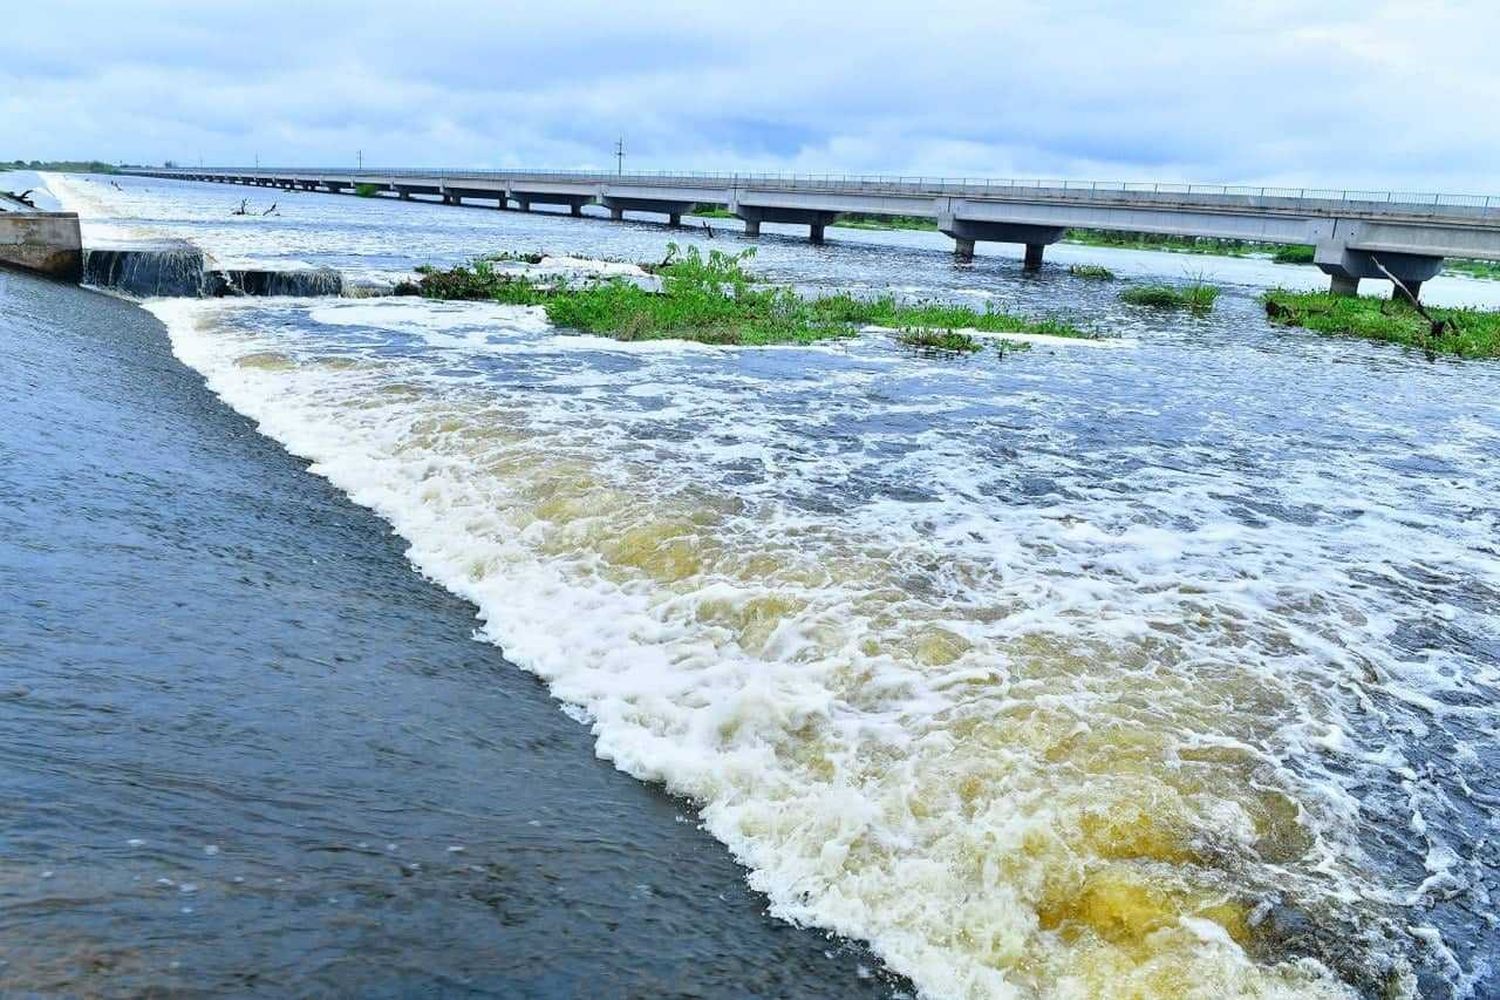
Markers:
point(828, 688)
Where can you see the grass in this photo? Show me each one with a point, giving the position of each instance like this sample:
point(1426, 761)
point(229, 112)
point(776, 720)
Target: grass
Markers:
point(365, 190)
point(1473, 268)
point(713, 300)
point(1154, 241)
point(712, 212)
point(1467, 333)
point(1097, 272)
point(942, 341)
point(1197, 297)
point(478, 282)
point(886, 222)
point(1295, 254)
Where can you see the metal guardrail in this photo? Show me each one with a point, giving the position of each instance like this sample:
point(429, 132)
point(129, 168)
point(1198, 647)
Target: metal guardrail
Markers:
point(917, 185)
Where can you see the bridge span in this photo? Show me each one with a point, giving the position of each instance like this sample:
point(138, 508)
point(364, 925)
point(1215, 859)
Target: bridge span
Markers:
point(1356, 234)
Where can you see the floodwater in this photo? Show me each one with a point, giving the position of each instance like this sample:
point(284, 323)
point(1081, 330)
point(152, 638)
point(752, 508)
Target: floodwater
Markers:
point(1159, 666)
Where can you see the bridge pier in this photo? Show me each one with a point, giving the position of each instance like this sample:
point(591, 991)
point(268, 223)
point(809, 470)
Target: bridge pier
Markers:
point(616, 213)
point(966, 232)
point(575, 210)
point(1345, 267)
point(816, 220)
point(621, 199)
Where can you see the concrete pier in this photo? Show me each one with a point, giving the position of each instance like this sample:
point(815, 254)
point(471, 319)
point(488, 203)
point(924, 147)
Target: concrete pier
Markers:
point(46, 243)
point(1409, 235)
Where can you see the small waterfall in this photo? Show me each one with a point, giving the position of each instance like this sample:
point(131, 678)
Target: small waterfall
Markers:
point(173, 268)
point(180, 270)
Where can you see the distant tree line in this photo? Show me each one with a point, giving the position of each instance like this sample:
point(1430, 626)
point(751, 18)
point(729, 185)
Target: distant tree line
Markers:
point(65, 166)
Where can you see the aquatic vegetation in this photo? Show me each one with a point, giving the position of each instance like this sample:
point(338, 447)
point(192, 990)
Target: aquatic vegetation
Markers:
point(886, 222)
point(516, 256)
point(1098, 272)
point(711, 299)
point(1467, 333)
point(1294, 254)
point(1472, 268)
point(364, 190)
point(479, 282)
point(943, 341)
point(1198, 297)
point(1155, 241)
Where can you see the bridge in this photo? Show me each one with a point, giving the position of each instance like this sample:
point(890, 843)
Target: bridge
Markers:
point(1355, 234)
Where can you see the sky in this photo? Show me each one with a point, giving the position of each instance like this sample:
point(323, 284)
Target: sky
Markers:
point(1388, 96)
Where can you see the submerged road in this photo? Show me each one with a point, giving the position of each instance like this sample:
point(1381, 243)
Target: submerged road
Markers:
point(245, 749)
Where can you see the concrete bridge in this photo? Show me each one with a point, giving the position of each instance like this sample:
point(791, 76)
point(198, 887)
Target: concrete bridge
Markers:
point(1356, 234)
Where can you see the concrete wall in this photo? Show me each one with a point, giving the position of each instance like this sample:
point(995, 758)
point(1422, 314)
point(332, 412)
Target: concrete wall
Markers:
point(47, 243)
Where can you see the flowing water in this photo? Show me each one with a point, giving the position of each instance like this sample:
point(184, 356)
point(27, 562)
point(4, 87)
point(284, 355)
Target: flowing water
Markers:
point(1160, 666)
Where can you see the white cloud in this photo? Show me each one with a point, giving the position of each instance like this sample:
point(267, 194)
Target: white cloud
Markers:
point(1333, 94)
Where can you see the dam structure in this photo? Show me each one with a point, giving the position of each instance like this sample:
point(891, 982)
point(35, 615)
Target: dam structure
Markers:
point(1356, 234)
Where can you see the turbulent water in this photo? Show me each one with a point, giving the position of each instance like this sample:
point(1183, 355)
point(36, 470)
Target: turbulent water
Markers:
point(1163, 666)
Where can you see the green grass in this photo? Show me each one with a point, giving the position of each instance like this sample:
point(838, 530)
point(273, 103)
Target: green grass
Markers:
point(1153, 241)
point(1097, 272)
point(1294, 254)
point(365, 190)
point(1467, 333)
point(1473, 268)
point(943, 341)
point(1197, 297)
point(712, 212)
point(713, 300)
point(886, 222)
point(479, 282)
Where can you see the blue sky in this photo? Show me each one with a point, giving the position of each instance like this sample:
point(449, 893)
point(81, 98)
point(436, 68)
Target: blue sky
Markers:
point(1385, 95)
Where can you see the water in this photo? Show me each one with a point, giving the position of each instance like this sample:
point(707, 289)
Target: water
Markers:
point(1161, 668)
point(246, 751)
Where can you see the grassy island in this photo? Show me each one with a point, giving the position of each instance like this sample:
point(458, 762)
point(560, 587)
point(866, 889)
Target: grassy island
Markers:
point(1197, 297)
point(1467, 333)
point(712, 300)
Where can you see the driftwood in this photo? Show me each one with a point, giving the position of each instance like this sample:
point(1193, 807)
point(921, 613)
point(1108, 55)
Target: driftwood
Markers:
point(708, 229)
point(1436, 327)
point(243, 209)
point(24, 197)
point(271, 210)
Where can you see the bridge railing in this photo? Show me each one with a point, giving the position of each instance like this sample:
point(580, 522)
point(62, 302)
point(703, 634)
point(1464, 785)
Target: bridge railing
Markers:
point(901, 184)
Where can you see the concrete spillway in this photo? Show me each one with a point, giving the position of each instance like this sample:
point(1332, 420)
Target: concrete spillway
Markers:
point(177, 268)
point(1356, 234)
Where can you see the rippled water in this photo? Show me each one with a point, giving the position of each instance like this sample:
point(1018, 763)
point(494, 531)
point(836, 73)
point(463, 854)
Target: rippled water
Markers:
point(1163, 667)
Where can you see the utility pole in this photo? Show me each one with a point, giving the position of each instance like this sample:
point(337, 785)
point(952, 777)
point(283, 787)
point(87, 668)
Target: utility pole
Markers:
point(361, 155)
point(257, 161)
point(619, 156)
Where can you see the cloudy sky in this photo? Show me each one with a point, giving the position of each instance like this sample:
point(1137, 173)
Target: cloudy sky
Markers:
point(1389, 95)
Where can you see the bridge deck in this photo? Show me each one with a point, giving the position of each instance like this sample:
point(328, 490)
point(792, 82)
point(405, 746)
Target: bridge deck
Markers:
point(1412, 232)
